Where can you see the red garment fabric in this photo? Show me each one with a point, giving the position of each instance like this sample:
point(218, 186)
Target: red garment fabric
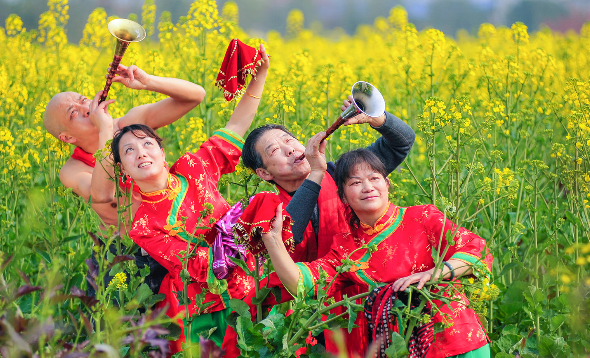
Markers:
point(240, 60)
point(88, 159)
point(167, 221)
point(332, 221)
point(405, 238)
point(257, 219)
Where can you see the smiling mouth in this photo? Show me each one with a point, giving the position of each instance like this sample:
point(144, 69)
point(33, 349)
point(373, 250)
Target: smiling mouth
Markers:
point(144, 164)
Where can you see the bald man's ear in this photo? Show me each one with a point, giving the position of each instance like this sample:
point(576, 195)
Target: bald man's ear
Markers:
point(264, 174)
point(66, 138)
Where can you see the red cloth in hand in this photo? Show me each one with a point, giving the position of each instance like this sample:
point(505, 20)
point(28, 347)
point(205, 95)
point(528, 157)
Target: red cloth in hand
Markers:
point(240, 60)
point(257, 219)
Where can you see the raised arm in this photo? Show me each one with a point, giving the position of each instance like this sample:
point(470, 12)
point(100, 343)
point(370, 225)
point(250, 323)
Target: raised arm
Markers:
point(283, 263)
point(102, 188)
point(396, 138)
point(183, 96)
point(245, 111)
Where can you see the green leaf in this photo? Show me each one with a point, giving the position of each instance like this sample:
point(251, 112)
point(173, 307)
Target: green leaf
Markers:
point(240, 307)
point(142, 293)
point(218, 286)
point(553, 347)
point(276, 291)
point(261, 296)
point(398, 348)
point(248, 339)
point(507, 268)
point(573, 219)
point(503, 355)
point(351, 309)
point(43, 254)
point(242, 264)
point(153, 299)
point(179, 296)
point(70, 238)
point(556, 321)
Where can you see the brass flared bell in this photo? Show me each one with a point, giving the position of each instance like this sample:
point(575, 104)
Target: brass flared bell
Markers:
point(126, 31)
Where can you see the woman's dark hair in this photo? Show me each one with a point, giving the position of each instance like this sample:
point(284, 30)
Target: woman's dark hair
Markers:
point(345, 167)
point(139, 130)
point(250, 157)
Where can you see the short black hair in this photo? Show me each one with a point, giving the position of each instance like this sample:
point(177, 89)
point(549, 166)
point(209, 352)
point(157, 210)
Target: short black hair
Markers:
point(250, 157)
point(345, 166)
point(139, 130)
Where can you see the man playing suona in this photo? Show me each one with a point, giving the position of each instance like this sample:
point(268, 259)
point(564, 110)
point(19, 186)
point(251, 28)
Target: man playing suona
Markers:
point(67, 118)
point(317, 212)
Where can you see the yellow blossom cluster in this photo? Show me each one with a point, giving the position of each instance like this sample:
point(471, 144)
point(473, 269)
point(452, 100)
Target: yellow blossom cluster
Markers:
point(119, 281)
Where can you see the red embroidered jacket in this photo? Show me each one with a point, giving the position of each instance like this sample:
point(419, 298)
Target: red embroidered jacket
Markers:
point(159, 229)
point(405, 238)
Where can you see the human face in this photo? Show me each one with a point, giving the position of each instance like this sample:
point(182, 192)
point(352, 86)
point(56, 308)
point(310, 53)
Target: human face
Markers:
point(72, 111)
point(142, 159)
point(367, 193)
point(279, 152)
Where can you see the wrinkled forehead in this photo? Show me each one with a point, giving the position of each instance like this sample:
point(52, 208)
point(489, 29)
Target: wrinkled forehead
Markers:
point(270, 137)
point(60, 102)
point(63, 98)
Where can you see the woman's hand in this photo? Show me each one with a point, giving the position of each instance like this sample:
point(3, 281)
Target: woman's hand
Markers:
point(420, 277)
point(274, 238)
point(279, 256)
point(264, 56)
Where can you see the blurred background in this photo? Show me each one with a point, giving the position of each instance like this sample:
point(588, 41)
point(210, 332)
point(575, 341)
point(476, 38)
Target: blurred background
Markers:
point(342, 16)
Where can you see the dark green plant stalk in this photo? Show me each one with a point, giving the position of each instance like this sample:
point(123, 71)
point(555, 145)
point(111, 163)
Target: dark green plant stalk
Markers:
point(320, 312)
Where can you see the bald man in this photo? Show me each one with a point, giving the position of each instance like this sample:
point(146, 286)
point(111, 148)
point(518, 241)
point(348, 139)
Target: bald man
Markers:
point(67, 118)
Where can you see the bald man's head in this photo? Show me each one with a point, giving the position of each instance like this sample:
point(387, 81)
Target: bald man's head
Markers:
point(51, 118)
point(67, 118)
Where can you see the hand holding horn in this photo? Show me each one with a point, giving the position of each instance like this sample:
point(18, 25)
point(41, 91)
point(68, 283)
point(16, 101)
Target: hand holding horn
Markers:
point(125, 31)
point(366, 99)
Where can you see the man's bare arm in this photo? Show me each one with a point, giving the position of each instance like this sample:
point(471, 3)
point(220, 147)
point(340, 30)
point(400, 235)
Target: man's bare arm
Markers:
point(77, 176)
point(183, 96)
point(102, 187)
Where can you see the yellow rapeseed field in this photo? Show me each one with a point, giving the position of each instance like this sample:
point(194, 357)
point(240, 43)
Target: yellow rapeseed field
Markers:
point(502, 119)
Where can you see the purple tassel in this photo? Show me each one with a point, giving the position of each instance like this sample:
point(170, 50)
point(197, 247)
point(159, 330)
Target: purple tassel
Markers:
point(224, 245)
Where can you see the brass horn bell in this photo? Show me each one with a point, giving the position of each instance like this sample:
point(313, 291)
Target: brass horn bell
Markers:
point(125, 31)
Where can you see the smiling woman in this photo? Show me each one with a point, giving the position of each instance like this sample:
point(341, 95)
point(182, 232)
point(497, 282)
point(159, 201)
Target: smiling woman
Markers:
point(141, 156)
point(183, 220)
point(404, 239)
point(181, 211)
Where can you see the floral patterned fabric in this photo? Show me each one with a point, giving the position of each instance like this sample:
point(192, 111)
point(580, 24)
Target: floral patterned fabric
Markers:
point(167, 220)
point(405, 238)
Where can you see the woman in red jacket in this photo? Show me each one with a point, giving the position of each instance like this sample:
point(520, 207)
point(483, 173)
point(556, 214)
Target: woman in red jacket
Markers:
point(404, 238)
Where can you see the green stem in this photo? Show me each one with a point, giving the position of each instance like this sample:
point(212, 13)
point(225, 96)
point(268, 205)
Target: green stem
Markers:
point(413, 321)
point(257, 289)
point(319, 312)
